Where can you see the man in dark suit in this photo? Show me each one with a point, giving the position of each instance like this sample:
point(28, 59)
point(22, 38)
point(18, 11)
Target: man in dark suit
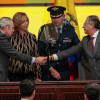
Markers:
point(27, 89)
point(92, 91)
point(6, 51)
point(65, 37)
point(89, 47)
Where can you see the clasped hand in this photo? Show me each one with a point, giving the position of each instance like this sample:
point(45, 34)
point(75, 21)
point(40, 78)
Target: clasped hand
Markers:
point(41, 60)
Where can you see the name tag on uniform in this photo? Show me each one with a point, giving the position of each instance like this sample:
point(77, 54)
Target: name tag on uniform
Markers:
point(66, 40)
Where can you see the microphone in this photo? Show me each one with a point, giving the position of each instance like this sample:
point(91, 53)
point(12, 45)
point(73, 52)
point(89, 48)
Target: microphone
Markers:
point(50, 41)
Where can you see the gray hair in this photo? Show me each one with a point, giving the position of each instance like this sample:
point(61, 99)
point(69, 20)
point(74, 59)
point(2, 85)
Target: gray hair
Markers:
point(94, 19)
point(5, 21)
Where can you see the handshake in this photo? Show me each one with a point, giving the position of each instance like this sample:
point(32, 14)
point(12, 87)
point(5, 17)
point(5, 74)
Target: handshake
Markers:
point(42, 60)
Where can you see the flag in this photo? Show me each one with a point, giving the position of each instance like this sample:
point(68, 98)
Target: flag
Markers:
point(73, 64)
point(71, 18)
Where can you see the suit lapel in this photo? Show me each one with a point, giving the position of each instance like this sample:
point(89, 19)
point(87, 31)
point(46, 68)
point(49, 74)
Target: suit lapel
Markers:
point(97, 43)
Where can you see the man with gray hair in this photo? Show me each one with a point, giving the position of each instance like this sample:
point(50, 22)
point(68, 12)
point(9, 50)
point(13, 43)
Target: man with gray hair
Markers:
point(92, 91)
point(6, 50)
point(89, 47)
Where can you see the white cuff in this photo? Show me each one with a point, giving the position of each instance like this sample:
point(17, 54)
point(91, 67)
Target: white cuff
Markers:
point(50, 68)
point(33, 60)
point(55, 57)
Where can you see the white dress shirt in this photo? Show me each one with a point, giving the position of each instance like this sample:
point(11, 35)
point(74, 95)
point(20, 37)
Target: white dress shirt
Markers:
point(24, 99)
point(95, 37)
point(33, 60)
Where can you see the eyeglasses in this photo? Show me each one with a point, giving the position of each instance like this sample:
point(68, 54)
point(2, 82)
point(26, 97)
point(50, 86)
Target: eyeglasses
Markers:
point(86, 23)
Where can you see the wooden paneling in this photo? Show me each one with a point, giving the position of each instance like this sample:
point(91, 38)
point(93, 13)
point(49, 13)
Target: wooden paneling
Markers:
point(58, 90)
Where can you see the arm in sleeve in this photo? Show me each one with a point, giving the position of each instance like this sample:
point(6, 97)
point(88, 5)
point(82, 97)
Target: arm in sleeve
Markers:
point(7, 49)
point(69, 52)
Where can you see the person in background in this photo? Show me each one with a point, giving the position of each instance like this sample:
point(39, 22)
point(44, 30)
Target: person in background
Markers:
point(25, 42)
point(89, 46)
point(27, 89)
point(7, 51)
point(65, 37)
point(92, 91)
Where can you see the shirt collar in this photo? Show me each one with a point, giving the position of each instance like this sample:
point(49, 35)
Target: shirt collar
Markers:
point(24, 99)
point(1, 32)
point(59, 27)
point(96, 34)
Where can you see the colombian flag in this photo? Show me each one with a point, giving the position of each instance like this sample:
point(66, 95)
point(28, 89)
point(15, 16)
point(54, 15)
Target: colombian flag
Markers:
point(73, 63)
point(71, 19)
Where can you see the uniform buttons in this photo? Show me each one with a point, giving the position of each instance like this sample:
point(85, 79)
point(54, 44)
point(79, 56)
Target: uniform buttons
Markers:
point(59, 45)
point(57, 62)
point(58, 51)
point(94, 59)
point(95, 68)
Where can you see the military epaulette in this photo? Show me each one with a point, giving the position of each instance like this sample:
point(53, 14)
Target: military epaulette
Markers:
point(39, 30)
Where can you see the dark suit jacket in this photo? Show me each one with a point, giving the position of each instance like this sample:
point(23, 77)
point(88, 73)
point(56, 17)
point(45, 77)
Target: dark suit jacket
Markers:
point(93, 57)
point(7, 51)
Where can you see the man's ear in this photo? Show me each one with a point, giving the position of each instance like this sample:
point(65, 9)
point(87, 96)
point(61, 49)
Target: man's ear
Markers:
point(85, 97)
point(92, 25)
point(64, 16)
point(34, 92)
point(6, 28)
point(19, 91)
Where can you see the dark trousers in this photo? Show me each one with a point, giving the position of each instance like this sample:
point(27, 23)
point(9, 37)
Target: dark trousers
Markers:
point(20, 76)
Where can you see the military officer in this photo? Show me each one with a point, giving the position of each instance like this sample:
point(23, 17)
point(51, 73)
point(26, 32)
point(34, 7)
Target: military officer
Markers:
point(65, 37)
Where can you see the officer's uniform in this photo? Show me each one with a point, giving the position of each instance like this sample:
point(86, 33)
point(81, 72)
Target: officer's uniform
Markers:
point(65, 40)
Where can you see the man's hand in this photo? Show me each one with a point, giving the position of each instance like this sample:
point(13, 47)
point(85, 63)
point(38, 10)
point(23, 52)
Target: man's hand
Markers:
point(38, 80)
point(50, 58)
point(55, 74)
point(41, 60)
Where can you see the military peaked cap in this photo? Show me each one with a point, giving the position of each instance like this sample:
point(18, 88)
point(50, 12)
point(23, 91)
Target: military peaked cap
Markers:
point(56, 11)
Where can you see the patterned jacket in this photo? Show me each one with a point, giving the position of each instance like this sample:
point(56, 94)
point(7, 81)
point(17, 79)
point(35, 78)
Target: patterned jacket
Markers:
point(26, 45)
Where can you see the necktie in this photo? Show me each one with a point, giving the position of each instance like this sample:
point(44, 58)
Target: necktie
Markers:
point(58, 31)
point(92, 43)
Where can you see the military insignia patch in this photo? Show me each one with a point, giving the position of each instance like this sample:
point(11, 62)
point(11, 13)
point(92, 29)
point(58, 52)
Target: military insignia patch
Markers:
point(66, 40)
point(55, 9)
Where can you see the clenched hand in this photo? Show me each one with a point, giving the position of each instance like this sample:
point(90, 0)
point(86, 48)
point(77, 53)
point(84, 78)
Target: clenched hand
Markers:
point(41, 60)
